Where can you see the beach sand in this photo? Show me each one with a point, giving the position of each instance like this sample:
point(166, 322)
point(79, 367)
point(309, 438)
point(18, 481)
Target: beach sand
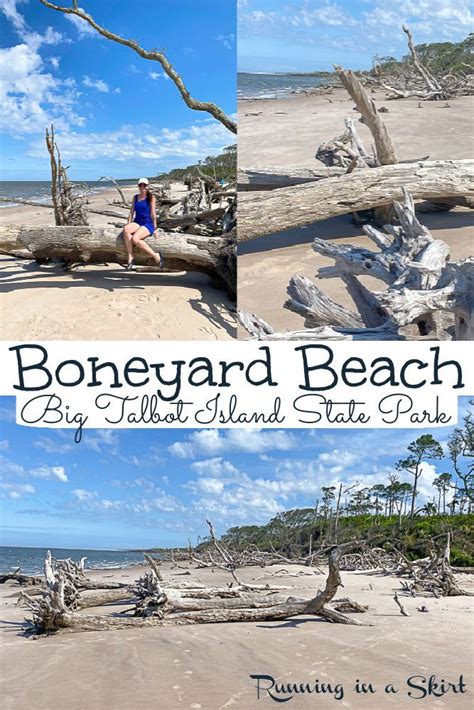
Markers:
point(286, 133)
point(105, 302)
point(208, 666)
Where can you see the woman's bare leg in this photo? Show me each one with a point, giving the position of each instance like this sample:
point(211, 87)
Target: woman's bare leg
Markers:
point(128, 232)
point(139, 240)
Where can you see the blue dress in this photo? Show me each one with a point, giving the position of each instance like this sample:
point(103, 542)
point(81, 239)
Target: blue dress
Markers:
point(143, 214)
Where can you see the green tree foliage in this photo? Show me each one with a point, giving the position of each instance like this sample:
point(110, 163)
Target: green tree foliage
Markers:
point(219, 167)
point(438, 57)
point(425, 447)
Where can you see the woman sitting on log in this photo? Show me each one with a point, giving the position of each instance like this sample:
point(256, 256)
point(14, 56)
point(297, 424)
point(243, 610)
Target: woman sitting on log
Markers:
point(141, 224)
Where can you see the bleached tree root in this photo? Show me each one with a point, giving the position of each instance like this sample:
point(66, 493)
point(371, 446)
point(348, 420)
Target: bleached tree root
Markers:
point(286, 208)
point(214, 256)
point(427, 295)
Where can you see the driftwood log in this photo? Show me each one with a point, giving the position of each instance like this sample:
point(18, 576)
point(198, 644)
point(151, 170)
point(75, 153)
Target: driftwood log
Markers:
point(252, 179)
point(214, 256)
point(268, 212)
point(159, 604)
point(427, 294)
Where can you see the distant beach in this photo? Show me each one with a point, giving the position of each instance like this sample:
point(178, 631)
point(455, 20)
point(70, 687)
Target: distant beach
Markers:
point(275, 86)
point(31, 559)
point(40, 190)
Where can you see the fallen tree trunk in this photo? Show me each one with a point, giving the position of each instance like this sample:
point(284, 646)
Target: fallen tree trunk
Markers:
point(157, 605)
point(214, 256)
point(286, 208)
point(263, 179)
point(273, 178)
point(22, 579)
point(105, 597)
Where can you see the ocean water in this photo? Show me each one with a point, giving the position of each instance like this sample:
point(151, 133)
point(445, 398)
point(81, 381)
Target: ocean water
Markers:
point(31, 559)
point(40, 190)
point(274, 86)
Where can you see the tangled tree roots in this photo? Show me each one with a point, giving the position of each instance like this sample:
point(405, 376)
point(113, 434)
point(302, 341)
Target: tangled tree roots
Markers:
point(159, 604)
point(427, 294)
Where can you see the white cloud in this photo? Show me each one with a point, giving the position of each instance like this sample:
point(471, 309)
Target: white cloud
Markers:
point(339, 458)
point(155, 75)
point(328, 14)
point(84, 495)
point(98, 84)
point(100, 439)
point(214, 467)
point(214, 442)
point(16, 491)
point(130, 143)
point(52, 447)
point(4, 445)
point(9, 9)
point(50, 473)
point(31, 98)
point(227, 40)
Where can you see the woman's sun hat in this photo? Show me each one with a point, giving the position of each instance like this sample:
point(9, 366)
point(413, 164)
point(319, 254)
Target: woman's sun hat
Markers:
point(143, 181)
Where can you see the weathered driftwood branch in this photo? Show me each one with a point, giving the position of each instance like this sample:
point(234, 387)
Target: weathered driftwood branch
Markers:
point(214, 256)
point(397, 601)
point(384, 147)
point(263, 179)
point(432, 84)
point(289, 207)
point(21, 579)
point(427, 295)
point(68, 205)
point(153, 55)
point(432, 574)
point(417, 80)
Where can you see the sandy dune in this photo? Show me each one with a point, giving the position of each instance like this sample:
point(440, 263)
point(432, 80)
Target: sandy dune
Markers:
point(105, 302)
point(208, 666)
point(286, 133)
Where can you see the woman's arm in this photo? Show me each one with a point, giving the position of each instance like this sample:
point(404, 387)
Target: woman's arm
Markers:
point(153, 211)
point(132, 211)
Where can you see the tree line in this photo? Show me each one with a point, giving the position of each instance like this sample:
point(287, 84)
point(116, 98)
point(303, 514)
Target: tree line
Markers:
point(384, 511)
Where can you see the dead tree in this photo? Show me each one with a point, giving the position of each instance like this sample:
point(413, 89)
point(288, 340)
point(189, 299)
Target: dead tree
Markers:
point(432, 574)
point(427, 294)
point(158, 604)
point(153, 55)
point(417, 81)
point(68, 204)
point(384, 147)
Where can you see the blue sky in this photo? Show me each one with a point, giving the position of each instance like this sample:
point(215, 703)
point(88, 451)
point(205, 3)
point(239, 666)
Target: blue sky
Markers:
point(132, 488)
point(115, 113)
point(309, 35)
